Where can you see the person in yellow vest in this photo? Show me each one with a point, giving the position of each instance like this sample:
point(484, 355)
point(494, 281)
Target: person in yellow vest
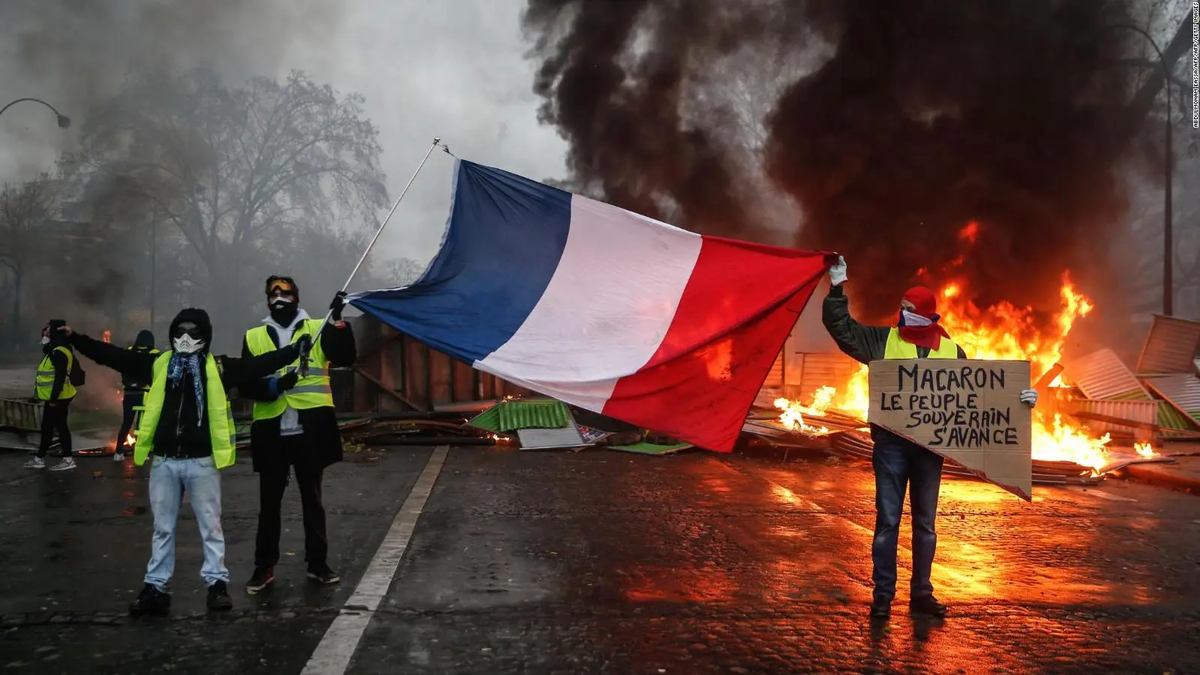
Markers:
point(53, 387)
point(295, 428)
point(899, 463)
point(134, 395)
point(188, 429)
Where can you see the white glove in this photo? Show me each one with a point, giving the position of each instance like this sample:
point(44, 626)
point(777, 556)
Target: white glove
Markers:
point(837, 273)
point(1029, 397)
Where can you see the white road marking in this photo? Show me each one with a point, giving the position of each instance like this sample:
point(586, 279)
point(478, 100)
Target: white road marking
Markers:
point(332, 656)
point(1101, 494)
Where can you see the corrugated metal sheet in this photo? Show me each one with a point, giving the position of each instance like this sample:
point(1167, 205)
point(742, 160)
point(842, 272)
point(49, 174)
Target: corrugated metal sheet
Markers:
point(1145, 412)
point(22, 415)
point(508, 416)
point(1170, 418)
point(1171, 346)
point(775, 377)
point(808, 372)
point(535, 439)
point(1101, 375)
point(1181, 391)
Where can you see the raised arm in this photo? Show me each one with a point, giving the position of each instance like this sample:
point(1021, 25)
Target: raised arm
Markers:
point(256, 390)
point(240, 371)
point(136, 365)
point(861, 343)
point(337, 341)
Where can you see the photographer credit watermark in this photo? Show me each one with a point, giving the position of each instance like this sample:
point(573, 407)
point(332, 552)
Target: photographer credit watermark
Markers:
point(1196, 64)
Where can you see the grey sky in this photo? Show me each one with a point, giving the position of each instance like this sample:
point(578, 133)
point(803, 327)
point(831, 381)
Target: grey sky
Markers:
point(454, 69)
point(451, 69)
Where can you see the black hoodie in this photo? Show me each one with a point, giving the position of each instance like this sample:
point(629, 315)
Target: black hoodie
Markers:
point(178, 433)
point(144, 344)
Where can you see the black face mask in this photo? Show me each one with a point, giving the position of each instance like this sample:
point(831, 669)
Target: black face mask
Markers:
point(282, 311)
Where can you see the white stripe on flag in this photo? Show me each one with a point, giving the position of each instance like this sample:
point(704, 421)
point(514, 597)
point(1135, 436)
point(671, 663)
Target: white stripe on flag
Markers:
point(607, 308)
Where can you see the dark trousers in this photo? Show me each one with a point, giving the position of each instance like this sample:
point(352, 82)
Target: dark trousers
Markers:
point(271, 486)
point(54, 420)
point(133, 399)
point(899, 463)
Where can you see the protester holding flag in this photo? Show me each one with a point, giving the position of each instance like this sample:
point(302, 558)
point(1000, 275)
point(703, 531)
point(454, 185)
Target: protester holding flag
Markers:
point(295, 428)
point(188, 430)
point(899, 462)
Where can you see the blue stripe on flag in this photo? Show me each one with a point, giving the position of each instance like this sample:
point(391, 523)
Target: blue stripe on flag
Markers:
point(503, 243)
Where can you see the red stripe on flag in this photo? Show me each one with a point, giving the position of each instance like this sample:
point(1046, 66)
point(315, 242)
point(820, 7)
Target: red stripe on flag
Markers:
point(739, 305)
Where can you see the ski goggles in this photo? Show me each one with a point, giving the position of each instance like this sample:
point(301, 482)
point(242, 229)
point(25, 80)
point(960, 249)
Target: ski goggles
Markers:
point(281, 286)
point(189, 329)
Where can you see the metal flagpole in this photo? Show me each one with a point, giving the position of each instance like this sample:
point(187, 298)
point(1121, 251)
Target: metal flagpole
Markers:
point(329, 314)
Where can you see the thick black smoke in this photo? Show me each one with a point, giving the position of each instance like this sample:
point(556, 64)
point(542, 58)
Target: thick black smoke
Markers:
point(620, 82)
point(908, 121)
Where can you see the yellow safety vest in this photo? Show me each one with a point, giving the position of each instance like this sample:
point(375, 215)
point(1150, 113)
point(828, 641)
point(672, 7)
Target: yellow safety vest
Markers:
point(899, 348)
point(221, 430)
point(312, 391)
point(44, 383)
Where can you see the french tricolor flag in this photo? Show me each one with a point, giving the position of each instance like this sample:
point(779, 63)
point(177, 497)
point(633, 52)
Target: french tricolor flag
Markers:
point(603, 308)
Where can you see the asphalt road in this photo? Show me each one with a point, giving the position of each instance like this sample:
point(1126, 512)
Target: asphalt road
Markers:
point(601, 562)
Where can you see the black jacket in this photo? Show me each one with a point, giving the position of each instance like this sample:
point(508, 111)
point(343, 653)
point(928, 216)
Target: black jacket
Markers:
point(179, 432)
point(861, 343)
point(144, 344)
point(321, 442)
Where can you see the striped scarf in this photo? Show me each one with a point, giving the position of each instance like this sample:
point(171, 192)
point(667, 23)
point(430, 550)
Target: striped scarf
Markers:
point(175, 371)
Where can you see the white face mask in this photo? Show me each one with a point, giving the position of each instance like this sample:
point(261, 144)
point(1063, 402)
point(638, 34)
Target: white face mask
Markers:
point(45, 339)
point(187, 345)
point(911, 319)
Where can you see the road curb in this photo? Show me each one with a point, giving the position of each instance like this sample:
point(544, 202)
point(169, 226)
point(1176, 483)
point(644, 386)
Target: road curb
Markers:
point(1150, 476)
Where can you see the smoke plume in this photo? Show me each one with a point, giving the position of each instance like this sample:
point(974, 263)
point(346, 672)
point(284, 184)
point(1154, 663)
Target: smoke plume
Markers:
point(73, 53)
point(903, 123)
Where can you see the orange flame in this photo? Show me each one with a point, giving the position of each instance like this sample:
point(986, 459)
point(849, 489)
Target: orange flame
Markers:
point(106, 336)
point(1145, 450)
point(1007, 332)
point(793, 413)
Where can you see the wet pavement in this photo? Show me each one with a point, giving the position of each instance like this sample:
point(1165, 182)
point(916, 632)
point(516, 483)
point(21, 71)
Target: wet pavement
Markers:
point(606, 562)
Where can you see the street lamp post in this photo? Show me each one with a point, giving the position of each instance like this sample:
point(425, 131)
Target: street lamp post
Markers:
point(1168, 254)
point(64, 122)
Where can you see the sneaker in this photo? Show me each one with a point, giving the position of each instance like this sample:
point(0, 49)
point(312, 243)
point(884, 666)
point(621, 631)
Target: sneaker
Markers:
point(927, 605)
point(881, 608)
point(118, 457)
point(36, 463)
point(67, 464)
point(262, 577)
point(322, 574)
point(150, 601)
point(218, 597)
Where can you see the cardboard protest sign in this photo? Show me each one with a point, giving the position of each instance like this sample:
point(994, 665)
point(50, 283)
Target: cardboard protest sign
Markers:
point(965, 410)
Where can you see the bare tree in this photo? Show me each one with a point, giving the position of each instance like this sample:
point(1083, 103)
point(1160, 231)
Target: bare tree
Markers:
point(235, 169)
point(25, 209)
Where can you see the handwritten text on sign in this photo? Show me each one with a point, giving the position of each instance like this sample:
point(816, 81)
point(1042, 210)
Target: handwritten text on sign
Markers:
point(966, 410)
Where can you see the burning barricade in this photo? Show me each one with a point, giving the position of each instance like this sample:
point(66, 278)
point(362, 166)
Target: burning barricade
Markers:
point(1084, 404)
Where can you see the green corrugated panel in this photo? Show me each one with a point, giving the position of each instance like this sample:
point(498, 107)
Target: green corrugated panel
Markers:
point(1131, 395)
point(652, 448)
point(509, 416)
point(1170, 418)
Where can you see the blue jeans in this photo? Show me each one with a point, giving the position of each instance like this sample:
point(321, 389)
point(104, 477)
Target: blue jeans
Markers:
point(169, 478)
point(898, 463)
